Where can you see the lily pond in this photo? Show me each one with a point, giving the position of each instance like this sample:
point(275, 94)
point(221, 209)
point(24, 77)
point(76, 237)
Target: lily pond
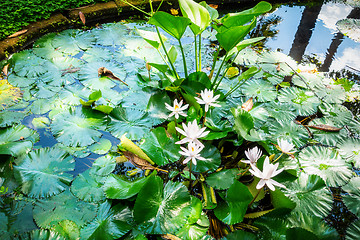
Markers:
point(192, 127)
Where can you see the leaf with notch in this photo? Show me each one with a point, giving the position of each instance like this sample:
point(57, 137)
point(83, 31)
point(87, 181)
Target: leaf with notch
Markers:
point(175, 26)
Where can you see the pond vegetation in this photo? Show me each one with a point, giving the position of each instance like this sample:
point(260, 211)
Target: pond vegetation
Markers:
point(190, 129)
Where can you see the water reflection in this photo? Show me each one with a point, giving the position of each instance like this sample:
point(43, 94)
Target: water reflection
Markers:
point(308, 32)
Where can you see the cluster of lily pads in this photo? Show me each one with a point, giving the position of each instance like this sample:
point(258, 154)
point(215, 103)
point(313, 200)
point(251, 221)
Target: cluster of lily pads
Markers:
point(263, 156)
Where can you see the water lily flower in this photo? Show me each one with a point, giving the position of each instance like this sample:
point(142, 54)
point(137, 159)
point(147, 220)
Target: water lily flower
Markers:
point(192, 153)
point(192, 132)
point(208, 98)
point(177, 109)
point(269, 171)
point(253, 155)
point(284, 146)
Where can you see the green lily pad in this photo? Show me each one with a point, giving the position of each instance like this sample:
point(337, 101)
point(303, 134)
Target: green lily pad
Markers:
point(44, 234)
point(72, 41)
point(78, 127)
point(64, 206)
point(304, 101)
point(9, 118)
point(21, 81)
point(96, 54)
point(79, 152)
point(28, 64)
point(9, 95)
point(161, 210)
point(156, 107)
point(289, 130)
point(192, 232)
point(42, 106)
point(160, 147)
point(212, 159)
point(326, 137)
point(100, 147)
point(277, 63)
point(103, 166)
point(40, 122)
point(223, 179)
point(67, 229)
point(262, 90)
point(326, 163)
point(110, 223)
point(353, 231)
point(336, 113)
point(310, 194)
point(43, 172)
point(350, 27)
point(351, 199)
point(128, 120)
point(87, 187)
point(17, 140)
point(117, 187)
point(332, 94)
point(112, 34)
point(280, 111)
point(349, 149)
point(233, 209)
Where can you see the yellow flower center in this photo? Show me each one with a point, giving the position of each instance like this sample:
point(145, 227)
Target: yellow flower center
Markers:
point(176, 107)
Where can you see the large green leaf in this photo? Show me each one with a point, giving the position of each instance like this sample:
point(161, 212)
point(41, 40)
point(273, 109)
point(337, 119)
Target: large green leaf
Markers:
point(73, 41)
point(161, 210)
point(65, 206)
point(289, 131)
point(78, 127)
point(336, 113)
point(68, 229)
point(87, 187)
point(160, 147)
point(244, 122)
point(280, 111)
point(17, 140)
point(44, 234)
point(234, 208)
point(230, 37)
point(223, 179)
point(111, 34)
point(117, 187)
point(9, 95)
point(21, 81)
point(43, 172)
point(353, 231)
point(310, 195)
point(129, 120)
point(260, 89)
point(351, 199)
point(326, 163)
point(197, 14)
point(327, 137)
point(156, 107)
point(27, 64)
point(212, 159)
point(110, 223)
point(101, 147)
point(304, 101)
point(349, 149)
point(175, 26)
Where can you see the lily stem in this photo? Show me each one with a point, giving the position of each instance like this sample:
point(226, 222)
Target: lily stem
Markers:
point(252, 201)
point(190, 182)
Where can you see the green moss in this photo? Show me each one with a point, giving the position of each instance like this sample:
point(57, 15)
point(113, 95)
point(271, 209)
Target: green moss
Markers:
point(16, 14)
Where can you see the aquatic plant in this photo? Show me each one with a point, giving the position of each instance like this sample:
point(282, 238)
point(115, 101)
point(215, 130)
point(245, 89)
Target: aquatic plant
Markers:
point(210, 147)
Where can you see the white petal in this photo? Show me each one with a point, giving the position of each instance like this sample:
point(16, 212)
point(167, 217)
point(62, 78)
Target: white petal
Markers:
point(186, 160)
point(260, 184)
point(268, 183)
point(276, 183)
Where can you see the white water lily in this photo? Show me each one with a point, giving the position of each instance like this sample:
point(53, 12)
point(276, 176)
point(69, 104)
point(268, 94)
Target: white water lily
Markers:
point(192, 132)
point(177, 109)
point(208, 98)
point(192, 153)
point(253, 155)
point(269, 171)
point(285, 147)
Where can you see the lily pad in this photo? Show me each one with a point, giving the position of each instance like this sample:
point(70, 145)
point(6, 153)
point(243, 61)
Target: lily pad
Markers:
point(277, 63)
point(17, 140)
point(9, 118)
point(87, 187)
point(326, 163)
point(64, 206)
point(326, 137)
point(351, 199)
point(160, 146)
point(336, 113)
point(100, 147)
point(304, 101)
point(21, 81)
point(68, 229)
point(103, 166)
point(9, 95)
point(349, 149)
point(28, 64)
point(161, 210)
point(353, 231)
point(280, 111)
point(310, 194)
point(112, 34)
point(73, 41)
point(223, 179)
point(110, 223)
point(212, 159)
point(129, 120)
point(43, 172)
point(78, 127)
point(117, 187)
point(262, 90)
point(288, 130)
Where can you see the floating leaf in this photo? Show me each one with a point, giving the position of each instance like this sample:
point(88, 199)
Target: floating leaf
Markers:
point(78, 127)
point(233, 210)
point(160, 147)
point(64, 206)
point(110, 223)
point(9, 95)
point(100, 147)
point(336, 113)
point(21, 81)
point(87, 187)
point(17, 140)
point(328, 138)
point(40, 122)
point(212, 159)
point(112, 34)
point(262, 90)
point(73, 41)
point(161, 210)
point(128, 120)
point(43, 172)
point(304, 101)
point(277, 63)
point(350, 27)
point(223, 179)
point(310, 195)
point(349, 149)
point(102, 71)
point(9, 118)
point(117, 187)
point(353, 231)
point(27, 64)
point(288, 130)
point(104, 165)
point(280, 111)
point(326, 163)
point(44, 234)
point(68, 229)
point(351, 199)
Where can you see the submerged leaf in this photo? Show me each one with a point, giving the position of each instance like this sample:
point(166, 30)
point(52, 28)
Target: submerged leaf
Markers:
point(43, 172)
